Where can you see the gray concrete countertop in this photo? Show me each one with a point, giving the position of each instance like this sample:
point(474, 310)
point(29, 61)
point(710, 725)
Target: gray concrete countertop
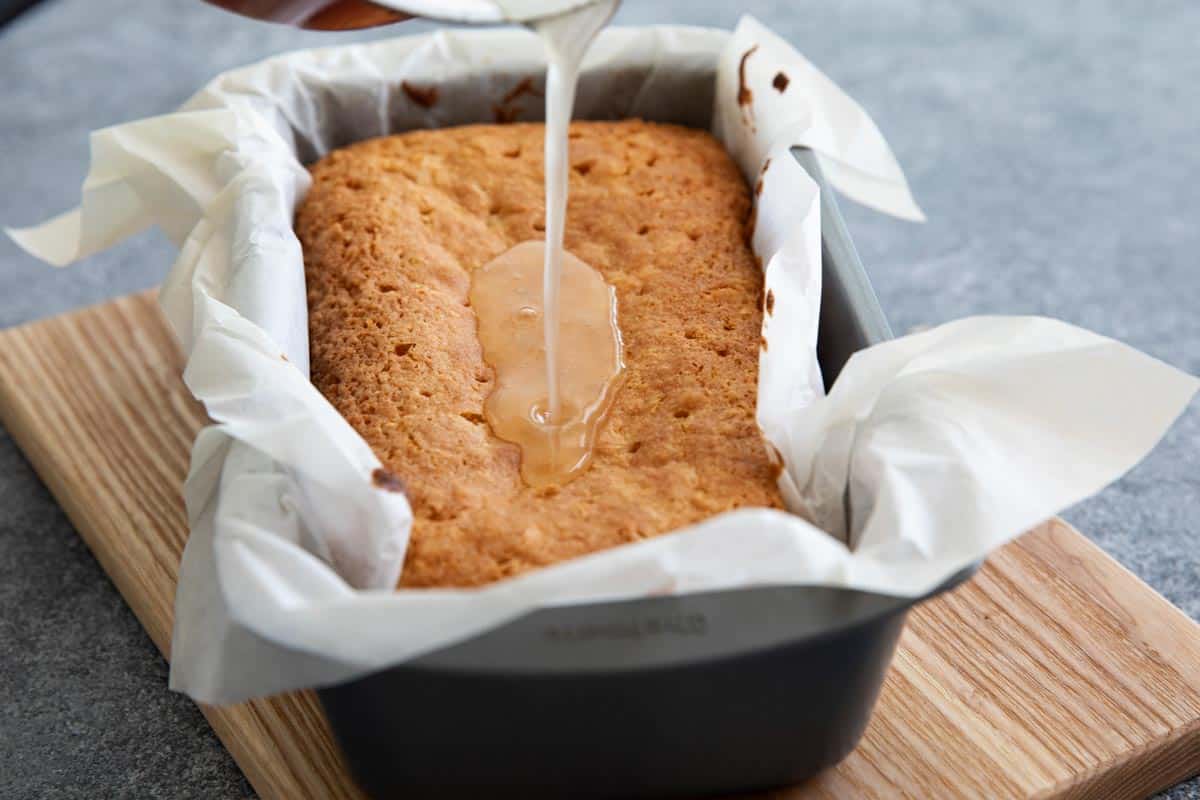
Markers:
point(1054, 147)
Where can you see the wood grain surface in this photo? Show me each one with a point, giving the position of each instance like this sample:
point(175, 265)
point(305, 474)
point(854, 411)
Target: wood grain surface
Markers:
point(1054, 673)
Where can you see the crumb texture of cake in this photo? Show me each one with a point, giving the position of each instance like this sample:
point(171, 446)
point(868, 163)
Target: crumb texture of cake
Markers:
point(392, 229)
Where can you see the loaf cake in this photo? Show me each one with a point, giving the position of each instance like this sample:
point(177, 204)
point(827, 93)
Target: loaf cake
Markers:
point(392, 229)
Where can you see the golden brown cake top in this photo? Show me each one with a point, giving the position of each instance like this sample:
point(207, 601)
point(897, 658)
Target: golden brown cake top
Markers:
point(392, 229)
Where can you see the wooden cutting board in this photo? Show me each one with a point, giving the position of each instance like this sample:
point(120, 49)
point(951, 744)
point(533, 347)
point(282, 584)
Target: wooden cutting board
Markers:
point(1054, 673)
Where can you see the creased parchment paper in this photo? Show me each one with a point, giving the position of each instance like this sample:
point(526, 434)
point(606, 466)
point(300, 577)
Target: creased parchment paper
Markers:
point(930, 451)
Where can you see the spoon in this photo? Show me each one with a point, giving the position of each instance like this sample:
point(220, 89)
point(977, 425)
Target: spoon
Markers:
point(345, 15)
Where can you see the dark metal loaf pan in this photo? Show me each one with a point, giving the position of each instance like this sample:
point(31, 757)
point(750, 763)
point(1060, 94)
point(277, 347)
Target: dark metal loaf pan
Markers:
point(668, 696)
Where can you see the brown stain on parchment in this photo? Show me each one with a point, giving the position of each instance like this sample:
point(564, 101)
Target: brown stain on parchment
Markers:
point(424, 96)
